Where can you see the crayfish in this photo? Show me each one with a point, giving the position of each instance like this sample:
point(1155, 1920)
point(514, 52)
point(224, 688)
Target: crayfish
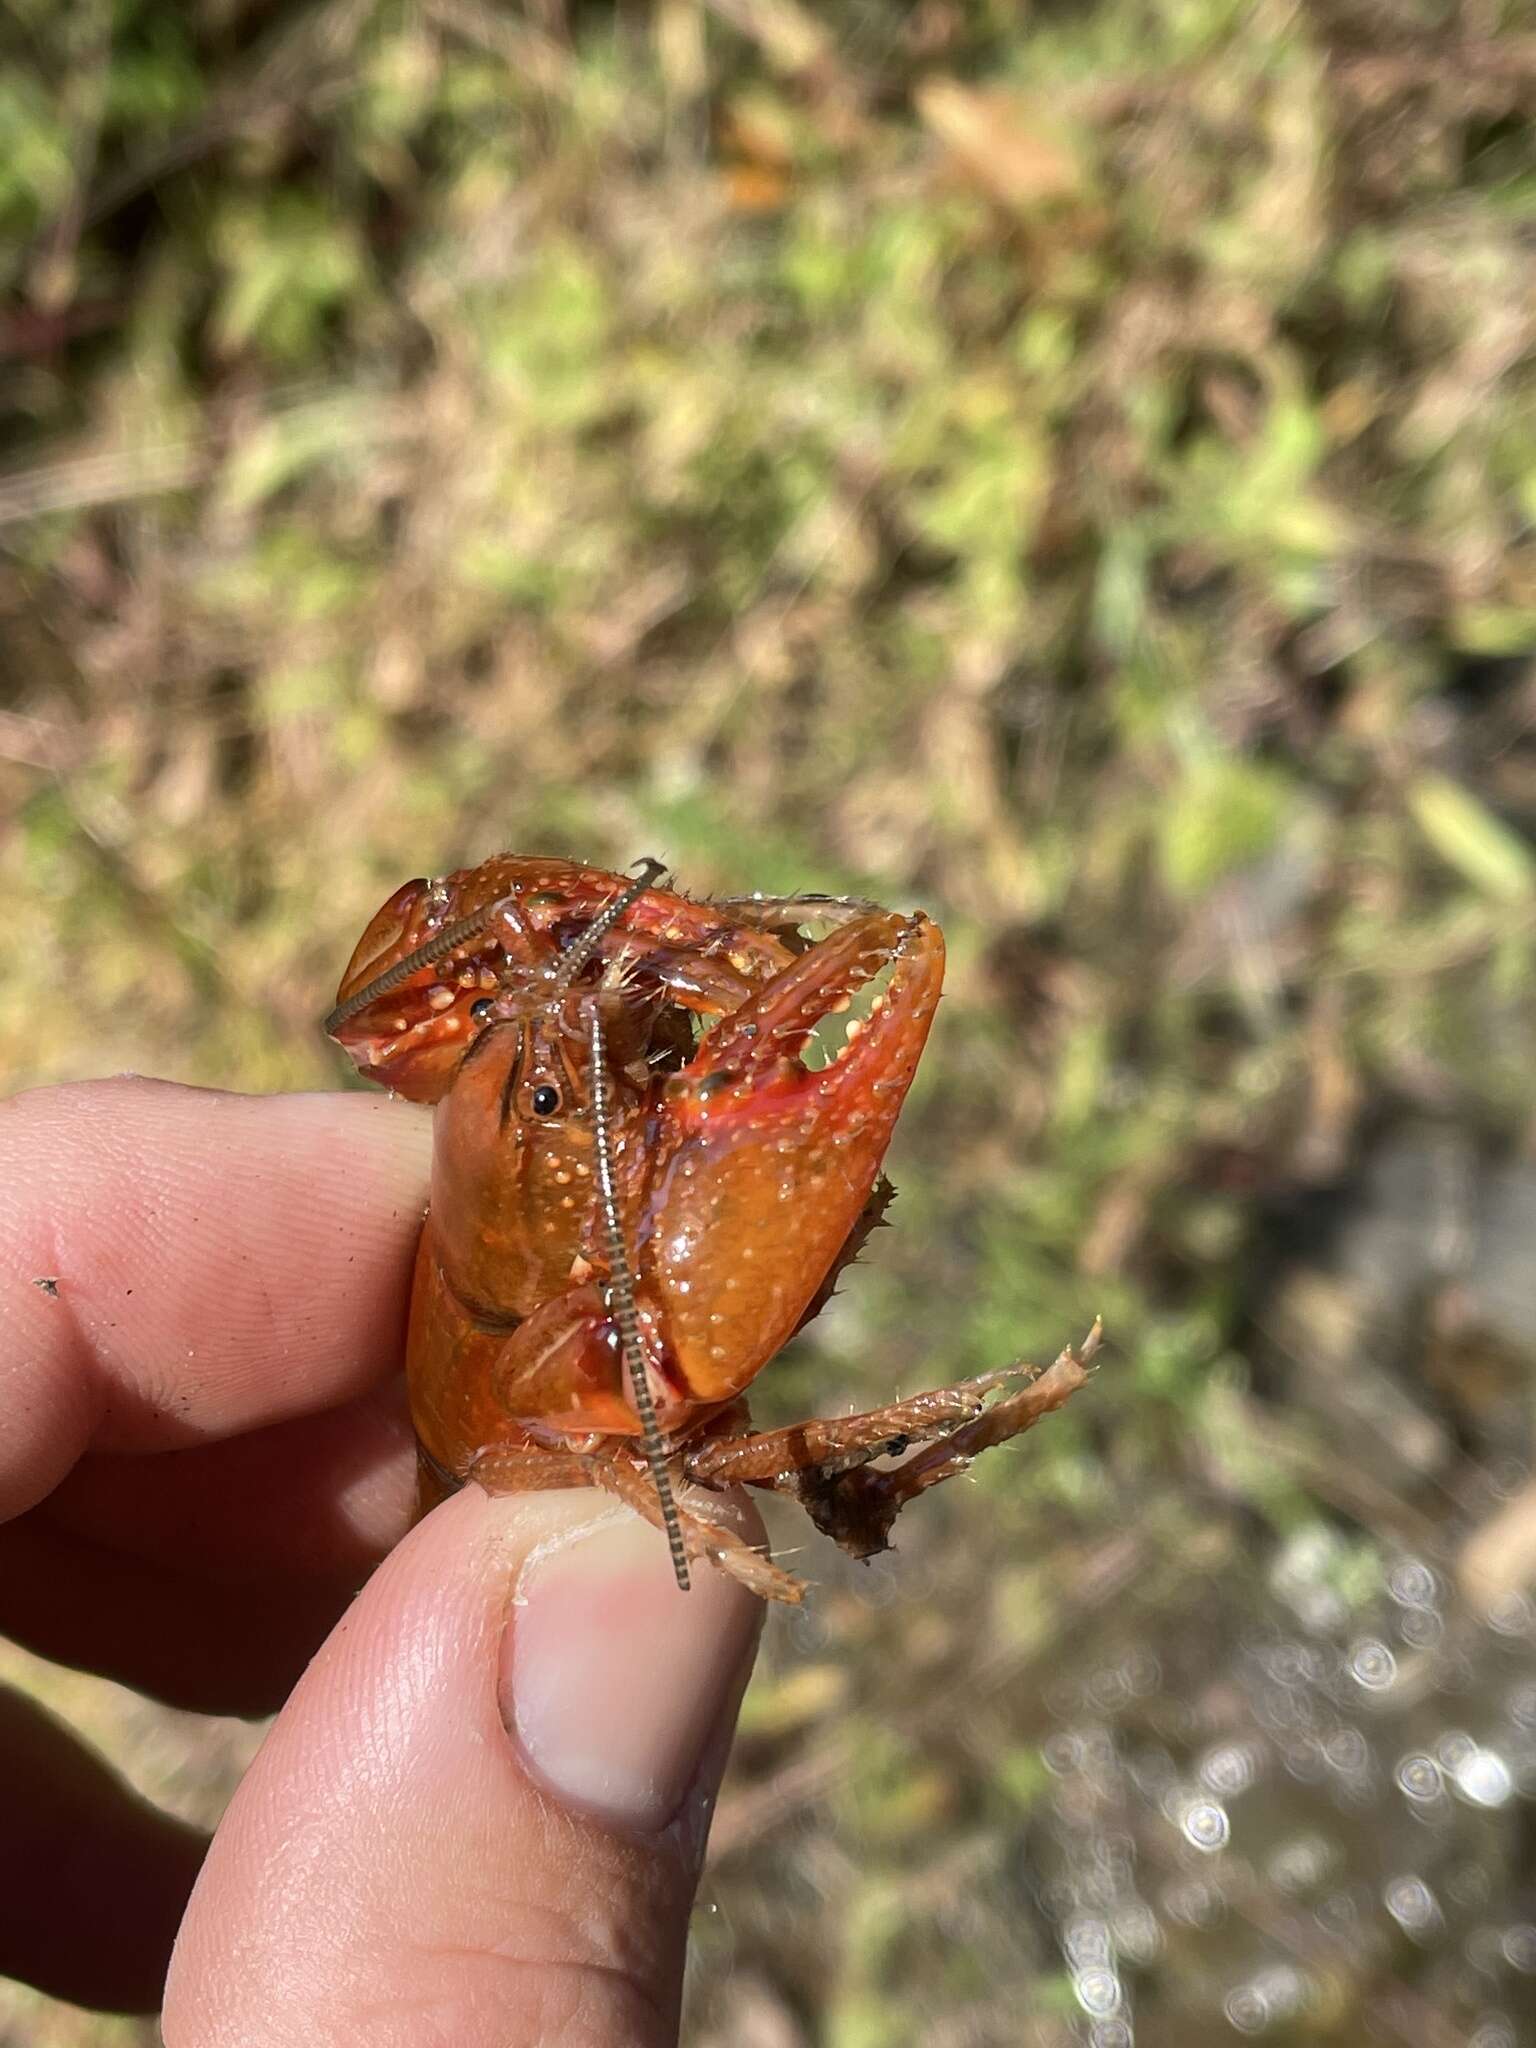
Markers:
point(641, 1189)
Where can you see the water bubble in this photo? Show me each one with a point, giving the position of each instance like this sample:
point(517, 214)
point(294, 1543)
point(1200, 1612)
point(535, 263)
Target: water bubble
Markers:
point(1453, 1749)
point(1274, 1707)
point(1300, 1863)
point(1085, 1941)
point(1372, 1664)
point(1143, 1673)
point(1107, 1689)
point(1097, 1751)
point(1470, 1885)
point(1247, 2009)
point(1285, 1987)
point(1061, 1753)
point(1204, 1823)
point(1110, 2033)
point(1290, 1663)
point(1492, 2031)
point(1176, 1718)
point(1483, 1952)
point(1421, 1628)
point(1507, 1476)
point(1338, 1913)
point(1518, 1948)
point(1115, 1855)
point(1411, 1583)
point(1419, 1777)
point(806, 1630)
point(1511, 1615)
point(1099, 1895)
point(1193, 1905)
point(1304, 1761)
point(1412, 1904)
point(1346, 1750)
point(1136, 1931)
point(1458, 1673)
point(1483, 1778)
point(1098, 1991)
point(1229, 1769)
point(1272, 1995)
point(1522, 1706)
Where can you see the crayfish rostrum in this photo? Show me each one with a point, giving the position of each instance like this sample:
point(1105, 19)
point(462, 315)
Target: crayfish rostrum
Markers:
point(641, 1190)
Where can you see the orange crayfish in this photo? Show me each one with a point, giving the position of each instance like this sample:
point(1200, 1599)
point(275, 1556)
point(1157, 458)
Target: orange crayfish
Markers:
point(641, 1190)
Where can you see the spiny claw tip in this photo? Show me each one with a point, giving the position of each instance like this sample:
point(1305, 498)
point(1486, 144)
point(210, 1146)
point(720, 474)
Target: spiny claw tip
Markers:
point(1087, 1351)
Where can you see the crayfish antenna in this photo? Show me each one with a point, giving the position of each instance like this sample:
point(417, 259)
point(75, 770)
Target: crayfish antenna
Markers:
point(621, 1281)
point(572, 962)
point(448, 940)
point(452, 936)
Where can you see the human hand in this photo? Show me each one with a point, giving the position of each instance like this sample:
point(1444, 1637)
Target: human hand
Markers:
point(481, 1814)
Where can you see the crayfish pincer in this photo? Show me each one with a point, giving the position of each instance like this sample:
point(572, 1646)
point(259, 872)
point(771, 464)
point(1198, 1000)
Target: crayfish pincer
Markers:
point(641, 1190)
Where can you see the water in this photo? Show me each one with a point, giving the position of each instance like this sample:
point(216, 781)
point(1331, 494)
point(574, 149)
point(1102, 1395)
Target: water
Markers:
point(1315, 1821)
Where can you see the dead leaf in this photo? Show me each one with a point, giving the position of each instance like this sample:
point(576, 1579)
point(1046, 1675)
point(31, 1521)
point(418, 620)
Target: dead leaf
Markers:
point(1000, 142)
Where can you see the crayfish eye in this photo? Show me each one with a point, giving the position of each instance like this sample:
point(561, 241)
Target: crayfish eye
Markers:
point(481, 1010)
point(545, 1100)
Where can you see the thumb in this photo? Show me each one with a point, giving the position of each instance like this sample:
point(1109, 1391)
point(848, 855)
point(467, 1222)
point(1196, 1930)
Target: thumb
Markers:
point(481, 1816)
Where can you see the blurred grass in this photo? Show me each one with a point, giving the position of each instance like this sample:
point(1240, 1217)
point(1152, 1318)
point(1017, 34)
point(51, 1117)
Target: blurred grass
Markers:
point(1073, 468)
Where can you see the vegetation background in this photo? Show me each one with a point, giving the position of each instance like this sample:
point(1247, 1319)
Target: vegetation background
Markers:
point(1072, 466)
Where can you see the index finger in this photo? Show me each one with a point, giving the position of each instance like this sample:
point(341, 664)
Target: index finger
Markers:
point(181, 1264)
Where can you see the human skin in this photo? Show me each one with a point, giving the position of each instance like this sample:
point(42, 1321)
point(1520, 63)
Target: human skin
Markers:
point(480, 1815)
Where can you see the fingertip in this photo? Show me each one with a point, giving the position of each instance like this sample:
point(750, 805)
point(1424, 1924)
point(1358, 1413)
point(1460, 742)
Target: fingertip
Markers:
point(613, 1681)
point(395, 1849)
